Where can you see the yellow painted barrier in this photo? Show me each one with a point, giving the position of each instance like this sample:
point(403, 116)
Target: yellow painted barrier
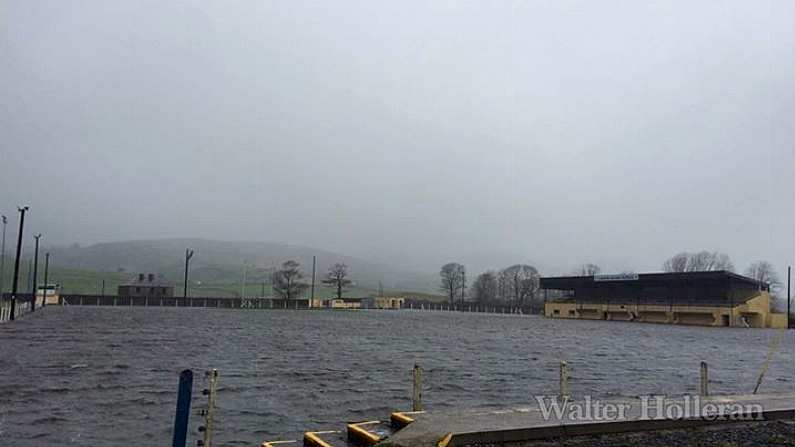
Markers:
point(360, 435)
point(275, 443)
point(401, 419)
point(444, 440)
point(312, 438)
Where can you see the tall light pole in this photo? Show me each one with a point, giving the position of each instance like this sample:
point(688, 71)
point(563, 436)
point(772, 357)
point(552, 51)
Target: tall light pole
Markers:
point(312, 294)
point(3, 257)
point(188, 255)
point(35, 273)
point(15, 283)
point(46, 277)
point(789, 297)
point(243, 284)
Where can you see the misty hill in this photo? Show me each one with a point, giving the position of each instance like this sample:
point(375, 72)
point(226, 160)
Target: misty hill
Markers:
point(224, 261)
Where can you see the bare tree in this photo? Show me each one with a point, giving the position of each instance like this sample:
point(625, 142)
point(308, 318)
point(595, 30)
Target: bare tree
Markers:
point(522, 280)
point(723, 262)
point(763, 272)
point(703, 261)
point(504, 289)
point(699, 262)
point(463, 286)
point(287, 281)
point(588, 270)
point(452, 279)
point(336, 277)
point(484, 289)
point(677, 263)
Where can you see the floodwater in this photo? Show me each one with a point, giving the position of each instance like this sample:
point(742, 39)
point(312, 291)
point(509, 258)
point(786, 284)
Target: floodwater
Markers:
point(108, 376)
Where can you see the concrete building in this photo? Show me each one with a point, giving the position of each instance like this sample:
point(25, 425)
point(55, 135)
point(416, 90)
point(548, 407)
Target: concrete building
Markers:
point(344, 303)
point(383, 302)
point(48, 292)
point(717, 298)
point(147, 285)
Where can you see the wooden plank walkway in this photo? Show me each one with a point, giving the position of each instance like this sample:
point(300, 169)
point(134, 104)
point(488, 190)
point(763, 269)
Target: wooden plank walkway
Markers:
point(468, 427)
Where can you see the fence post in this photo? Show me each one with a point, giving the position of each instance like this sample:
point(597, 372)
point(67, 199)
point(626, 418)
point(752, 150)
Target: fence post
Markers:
point(564, 380)
point(703, 389)
point(209, 414)
point(183, 408)
point(416, 395)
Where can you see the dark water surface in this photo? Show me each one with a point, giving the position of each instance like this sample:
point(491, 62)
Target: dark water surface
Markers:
point(108, 376)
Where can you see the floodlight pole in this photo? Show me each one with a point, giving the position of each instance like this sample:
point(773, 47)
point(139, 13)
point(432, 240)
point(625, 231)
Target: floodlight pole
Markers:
point(243, 284)
point(3, 257)
point(46, 277)
point(188, 255)
point(35, 273)
point(789, 298)
point(15, 283)
point(312, 293)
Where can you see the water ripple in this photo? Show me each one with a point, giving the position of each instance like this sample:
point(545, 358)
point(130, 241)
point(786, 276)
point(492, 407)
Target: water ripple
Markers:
point(102, 376)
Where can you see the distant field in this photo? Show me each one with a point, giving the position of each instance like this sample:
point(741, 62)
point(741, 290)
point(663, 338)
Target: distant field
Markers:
point(232, 289)
point(71, 280)
point(79, 281)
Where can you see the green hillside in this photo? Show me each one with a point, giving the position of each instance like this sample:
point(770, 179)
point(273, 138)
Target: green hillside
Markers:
point(221, 264)
point(70, 280)
point(90, 282)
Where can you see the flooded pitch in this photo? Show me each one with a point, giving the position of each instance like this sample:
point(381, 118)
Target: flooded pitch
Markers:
point(107, 376)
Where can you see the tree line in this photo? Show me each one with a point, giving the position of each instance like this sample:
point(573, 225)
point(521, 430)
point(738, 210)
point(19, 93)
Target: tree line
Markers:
point(518, 285)
point(288, 282)
point(705, 261)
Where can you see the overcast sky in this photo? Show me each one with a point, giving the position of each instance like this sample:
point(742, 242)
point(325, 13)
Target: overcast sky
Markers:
point(550, 132)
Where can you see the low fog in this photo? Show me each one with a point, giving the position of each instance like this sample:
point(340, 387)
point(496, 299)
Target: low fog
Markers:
point(411, 133)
